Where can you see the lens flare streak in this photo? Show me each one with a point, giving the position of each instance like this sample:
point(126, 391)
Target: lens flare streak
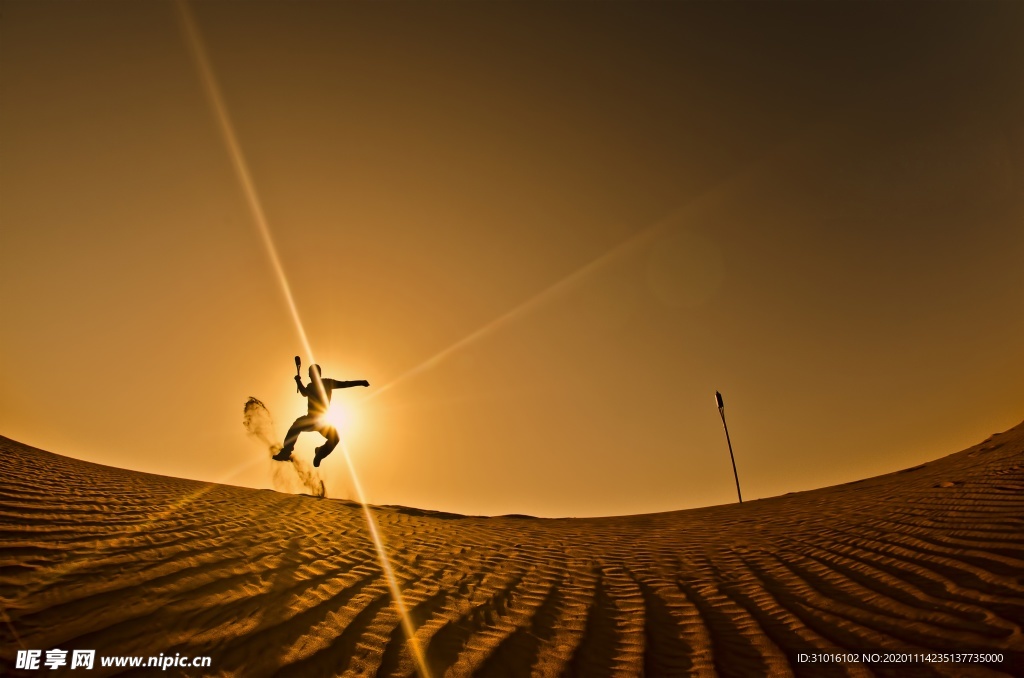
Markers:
point(579, 275)
point(640, 239)
point(389, 573)
point(195, 44)
point(245, 178)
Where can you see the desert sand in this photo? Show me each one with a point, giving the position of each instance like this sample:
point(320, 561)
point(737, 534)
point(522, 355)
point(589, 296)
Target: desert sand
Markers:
point(926, 559)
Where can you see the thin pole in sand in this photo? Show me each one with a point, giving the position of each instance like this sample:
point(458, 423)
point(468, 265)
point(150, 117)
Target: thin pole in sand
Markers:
point(721, 411)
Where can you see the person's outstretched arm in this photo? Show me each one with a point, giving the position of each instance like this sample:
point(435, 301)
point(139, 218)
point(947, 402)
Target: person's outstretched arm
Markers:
point(334, 383)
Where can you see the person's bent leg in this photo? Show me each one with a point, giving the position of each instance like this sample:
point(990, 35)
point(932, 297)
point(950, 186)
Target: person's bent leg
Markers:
point(333, 439)
point(301, 425)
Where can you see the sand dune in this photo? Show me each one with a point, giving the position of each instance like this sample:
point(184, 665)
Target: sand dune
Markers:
point(126, 563)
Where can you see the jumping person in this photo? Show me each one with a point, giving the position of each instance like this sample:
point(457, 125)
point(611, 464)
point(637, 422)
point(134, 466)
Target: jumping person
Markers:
point(318, 395)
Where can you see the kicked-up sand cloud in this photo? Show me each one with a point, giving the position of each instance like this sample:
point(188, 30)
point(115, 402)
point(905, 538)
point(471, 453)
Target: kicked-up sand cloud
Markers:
point(295, 476)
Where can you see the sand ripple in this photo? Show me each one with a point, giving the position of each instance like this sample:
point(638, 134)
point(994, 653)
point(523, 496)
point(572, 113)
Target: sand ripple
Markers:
point(927, 559)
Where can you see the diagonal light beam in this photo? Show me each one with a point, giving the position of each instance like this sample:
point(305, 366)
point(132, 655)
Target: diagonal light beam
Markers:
point(638, 239)
point(585, 271)
point(389, 573)
point(195, 44)
point(245, 178)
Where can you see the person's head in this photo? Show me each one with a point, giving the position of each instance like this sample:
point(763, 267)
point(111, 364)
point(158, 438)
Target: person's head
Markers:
point(314, 372)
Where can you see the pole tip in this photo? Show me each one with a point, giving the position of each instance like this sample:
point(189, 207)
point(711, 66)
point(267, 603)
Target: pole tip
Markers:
point(718, 397)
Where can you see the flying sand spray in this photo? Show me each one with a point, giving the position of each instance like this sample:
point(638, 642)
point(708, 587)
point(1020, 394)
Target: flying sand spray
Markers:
point(296, 477)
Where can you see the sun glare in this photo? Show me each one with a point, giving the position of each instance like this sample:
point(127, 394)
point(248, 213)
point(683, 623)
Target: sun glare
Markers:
point(338, 416)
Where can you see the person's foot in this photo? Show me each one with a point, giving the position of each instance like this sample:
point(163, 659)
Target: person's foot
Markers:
point(320, 454)
point(283, 455)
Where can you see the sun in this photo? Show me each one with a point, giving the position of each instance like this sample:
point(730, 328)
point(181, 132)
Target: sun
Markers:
point(337, 416)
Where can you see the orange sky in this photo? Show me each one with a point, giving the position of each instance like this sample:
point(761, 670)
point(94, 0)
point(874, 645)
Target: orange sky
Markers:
point(816, 209)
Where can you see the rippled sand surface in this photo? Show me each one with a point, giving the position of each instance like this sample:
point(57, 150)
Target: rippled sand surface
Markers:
point(126, 563)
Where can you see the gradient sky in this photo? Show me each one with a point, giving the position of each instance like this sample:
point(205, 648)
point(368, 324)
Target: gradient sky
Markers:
point(593, 215)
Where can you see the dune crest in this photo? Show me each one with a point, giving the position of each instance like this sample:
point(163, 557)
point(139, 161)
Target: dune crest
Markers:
point(126, 563)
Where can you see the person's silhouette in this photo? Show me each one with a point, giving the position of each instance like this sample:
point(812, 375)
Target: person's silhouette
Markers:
point(318, 394)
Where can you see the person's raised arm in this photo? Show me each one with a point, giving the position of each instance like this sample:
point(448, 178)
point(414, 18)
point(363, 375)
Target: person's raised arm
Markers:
point(302, 389)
